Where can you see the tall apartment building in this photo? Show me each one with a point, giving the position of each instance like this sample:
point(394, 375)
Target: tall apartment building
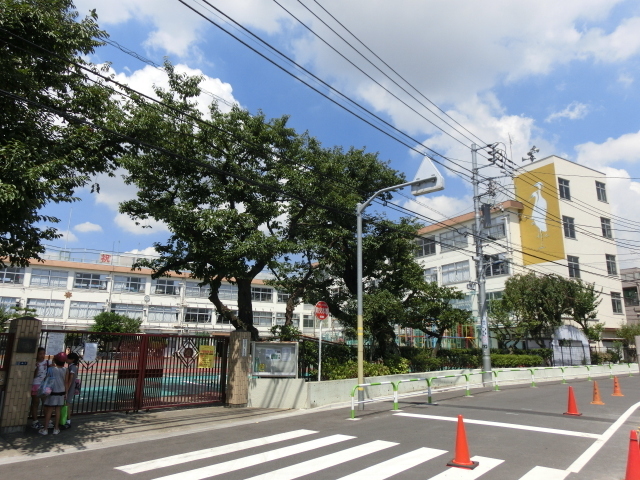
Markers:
point(559, 222)
point(70, 287)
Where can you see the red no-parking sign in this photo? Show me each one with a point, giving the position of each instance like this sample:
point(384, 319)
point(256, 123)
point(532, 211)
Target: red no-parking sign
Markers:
point(322, 310)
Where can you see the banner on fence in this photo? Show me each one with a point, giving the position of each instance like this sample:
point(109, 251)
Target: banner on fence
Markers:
point(55, 343)
point(206, 356)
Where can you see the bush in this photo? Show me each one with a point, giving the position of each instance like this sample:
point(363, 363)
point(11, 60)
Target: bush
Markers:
point(397, 364)
point(424, 362)
point(334, 370)
point(515, 361)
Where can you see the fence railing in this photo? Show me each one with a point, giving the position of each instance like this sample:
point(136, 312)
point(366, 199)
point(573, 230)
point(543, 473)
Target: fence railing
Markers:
point(467, 385)
point(131, 372)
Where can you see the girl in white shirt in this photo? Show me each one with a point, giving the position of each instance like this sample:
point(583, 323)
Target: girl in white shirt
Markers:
point(38, 376)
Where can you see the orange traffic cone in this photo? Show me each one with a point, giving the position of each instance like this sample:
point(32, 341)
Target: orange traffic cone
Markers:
point(573, 408)
point(616, 388)
point(596, 395)
point(462, 459)
point(633, 459)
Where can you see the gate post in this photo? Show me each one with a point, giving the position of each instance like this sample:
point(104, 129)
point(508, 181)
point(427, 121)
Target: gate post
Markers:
point(14, 414)
point(238, 371)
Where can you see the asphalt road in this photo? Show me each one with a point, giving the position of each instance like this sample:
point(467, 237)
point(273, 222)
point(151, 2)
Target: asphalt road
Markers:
point(517, 433)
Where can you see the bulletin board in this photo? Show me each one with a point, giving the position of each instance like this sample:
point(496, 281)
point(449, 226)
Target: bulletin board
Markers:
point(275, 359)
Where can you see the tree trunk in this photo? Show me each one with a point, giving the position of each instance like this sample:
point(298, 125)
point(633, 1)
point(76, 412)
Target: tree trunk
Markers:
point(245, 307)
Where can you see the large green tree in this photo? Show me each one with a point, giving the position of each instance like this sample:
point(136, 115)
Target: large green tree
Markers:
point(47, 150)
point(240, 194)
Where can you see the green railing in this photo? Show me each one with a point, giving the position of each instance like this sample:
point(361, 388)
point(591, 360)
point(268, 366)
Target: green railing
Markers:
point(468, 385)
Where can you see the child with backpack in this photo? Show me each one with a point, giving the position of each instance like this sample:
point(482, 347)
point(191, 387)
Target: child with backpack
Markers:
point(72, 383)
point(38, 376)
point(55, 377)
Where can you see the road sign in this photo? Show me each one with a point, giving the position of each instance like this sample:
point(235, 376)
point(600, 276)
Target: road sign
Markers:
point(433, 180)
point(322, 310)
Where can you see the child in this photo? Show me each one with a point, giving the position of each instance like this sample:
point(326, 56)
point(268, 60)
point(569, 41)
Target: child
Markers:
point(72, 373)
point(58, 394)
point(38, 376)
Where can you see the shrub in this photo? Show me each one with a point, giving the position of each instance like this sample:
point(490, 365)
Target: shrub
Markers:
point(334, 370)
point(515, 361)
point(424, 362)
point(397, 364)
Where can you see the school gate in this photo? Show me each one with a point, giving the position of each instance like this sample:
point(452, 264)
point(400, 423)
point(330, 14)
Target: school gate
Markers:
point(134, 371)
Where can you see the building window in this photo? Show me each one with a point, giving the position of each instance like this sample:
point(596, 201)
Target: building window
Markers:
point(455, 272)
point(601, 190)
point(612, 269)
point(159, 314)
point(49, 278)
point(295, 320)
point(260, 294)
point(45, 307)
point(307, 321)
point(283, 297)
point(616, 302)
point(194, 290)
point(563, 186)
point(90, 281)
point(569, 227)
point(8, 302)
point(465, 303)
point(453, 240)
point(129, 284)
point(605, 223)
point(162, 286)
point(495, 265)
point(228, 292)
point(225, 321)
point(431, 274)
point(492, 297)
point(495, 232)
point(87, 310)
point(630, 297)
point(12, 275)
point(425, 246)
point(128, 310)
point(574, 266)
point(197, 315)
point(264, 319)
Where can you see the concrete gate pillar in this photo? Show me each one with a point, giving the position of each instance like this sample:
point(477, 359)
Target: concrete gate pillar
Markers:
point(14, 416)
point(238, 370)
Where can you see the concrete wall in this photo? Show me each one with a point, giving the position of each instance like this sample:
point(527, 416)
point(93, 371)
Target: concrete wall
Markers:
point(278, 393)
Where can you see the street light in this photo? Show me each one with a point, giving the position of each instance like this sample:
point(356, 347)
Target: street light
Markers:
point(428, 180)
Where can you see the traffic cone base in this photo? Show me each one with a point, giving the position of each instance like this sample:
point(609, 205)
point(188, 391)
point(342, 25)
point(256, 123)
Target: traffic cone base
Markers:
point(573, 408)
point(616, 388)
point(633, 458)
point(462, 459)
point(596, 395)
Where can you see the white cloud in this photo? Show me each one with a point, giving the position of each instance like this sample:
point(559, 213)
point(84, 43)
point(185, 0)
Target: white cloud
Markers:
point(145, 227)
point(625, 79)
point(87, 227)
point(145, 251)
point(625, 148)
point(67, 236)
point(573, 111)
point(439, 207)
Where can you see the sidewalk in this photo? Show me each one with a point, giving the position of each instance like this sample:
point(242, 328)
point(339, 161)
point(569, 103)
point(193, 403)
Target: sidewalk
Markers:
point(103, 430)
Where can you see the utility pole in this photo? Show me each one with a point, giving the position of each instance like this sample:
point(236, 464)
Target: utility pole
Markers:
point(479, 259)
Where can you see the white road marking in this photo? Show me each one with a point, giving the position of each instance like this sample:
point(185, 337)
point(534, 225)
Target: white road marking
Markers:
point(544, 473)
point(504, 425)
point(211, 452)
point(396, 465)
point(582, 460)
point(320, 463)
point(455, 473)
point(257, 459)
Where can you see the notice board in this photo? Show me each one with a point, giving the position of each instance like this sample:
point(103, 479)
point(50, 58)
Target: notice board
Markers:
point(275, 359)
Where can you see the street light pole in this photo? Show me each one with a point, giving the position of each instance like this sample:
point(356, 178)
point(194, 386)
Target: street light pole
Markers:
point(360, 323)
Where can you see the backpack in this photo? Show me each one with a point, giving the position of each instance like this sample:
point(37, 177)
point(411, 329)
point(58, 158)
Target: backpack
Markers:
point(78, 386)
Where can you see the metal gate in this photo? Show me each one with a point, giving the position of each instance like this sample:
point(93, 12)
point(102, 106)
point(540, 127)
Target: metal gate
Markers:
point(134, 371)
point(6, 345)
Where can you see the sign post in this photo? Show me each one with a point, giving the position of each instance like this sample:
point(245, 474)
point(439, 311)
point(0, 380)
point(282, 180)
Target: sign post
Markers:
point(321, 313)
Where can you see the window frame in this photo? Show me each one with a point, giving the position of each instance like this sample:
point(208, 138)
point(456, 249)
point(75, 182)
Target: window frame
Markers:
point(280, 319)
point(227, 291)
point(616, 303)
point(259, 316)
point(569, 227)
point(203, 291)
point(63, 278)
point(425, 246)
point(431, 274)
point(601, 191)
point(127, 284)
point(198, 313)
point(455, 239)
point(129, 310)
point(154, 310)
point(457, 267)
point(612, 266)
point(164, 286)
point(12, 275)
point(86, 308)
point(495, 259)
point(564, 191)
point(605, 226)
point(93, 281)
point(262, 294)
point(52, 308)
point(574, 266)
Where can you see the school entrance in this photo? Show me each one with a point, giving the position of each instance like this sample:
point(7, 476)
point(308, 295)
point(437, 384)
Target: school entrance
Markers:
point(134, 371)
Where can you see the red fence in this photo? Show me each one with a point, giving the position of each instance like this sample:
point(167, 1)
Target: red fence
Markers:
point(131, 372)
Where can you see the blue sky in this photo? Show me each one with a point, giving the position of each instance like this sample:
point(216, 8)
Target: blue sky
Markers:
point(563, 76)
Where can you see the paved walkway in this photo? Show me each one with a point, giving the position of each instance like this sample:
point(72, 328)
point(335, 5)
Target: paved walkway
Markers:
point(91, 432)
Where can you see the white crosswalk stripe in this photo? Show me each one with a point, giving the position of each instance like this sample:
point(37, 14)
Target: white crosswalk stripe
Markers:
point(212, 452)
point(251, 460)
point(454, 473)
point(331, 460)
point(398, 464)
point(544, 473)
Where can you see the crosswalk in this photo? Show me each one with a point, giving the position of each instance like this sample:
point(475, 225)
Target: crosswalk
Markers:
point(350, 448)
